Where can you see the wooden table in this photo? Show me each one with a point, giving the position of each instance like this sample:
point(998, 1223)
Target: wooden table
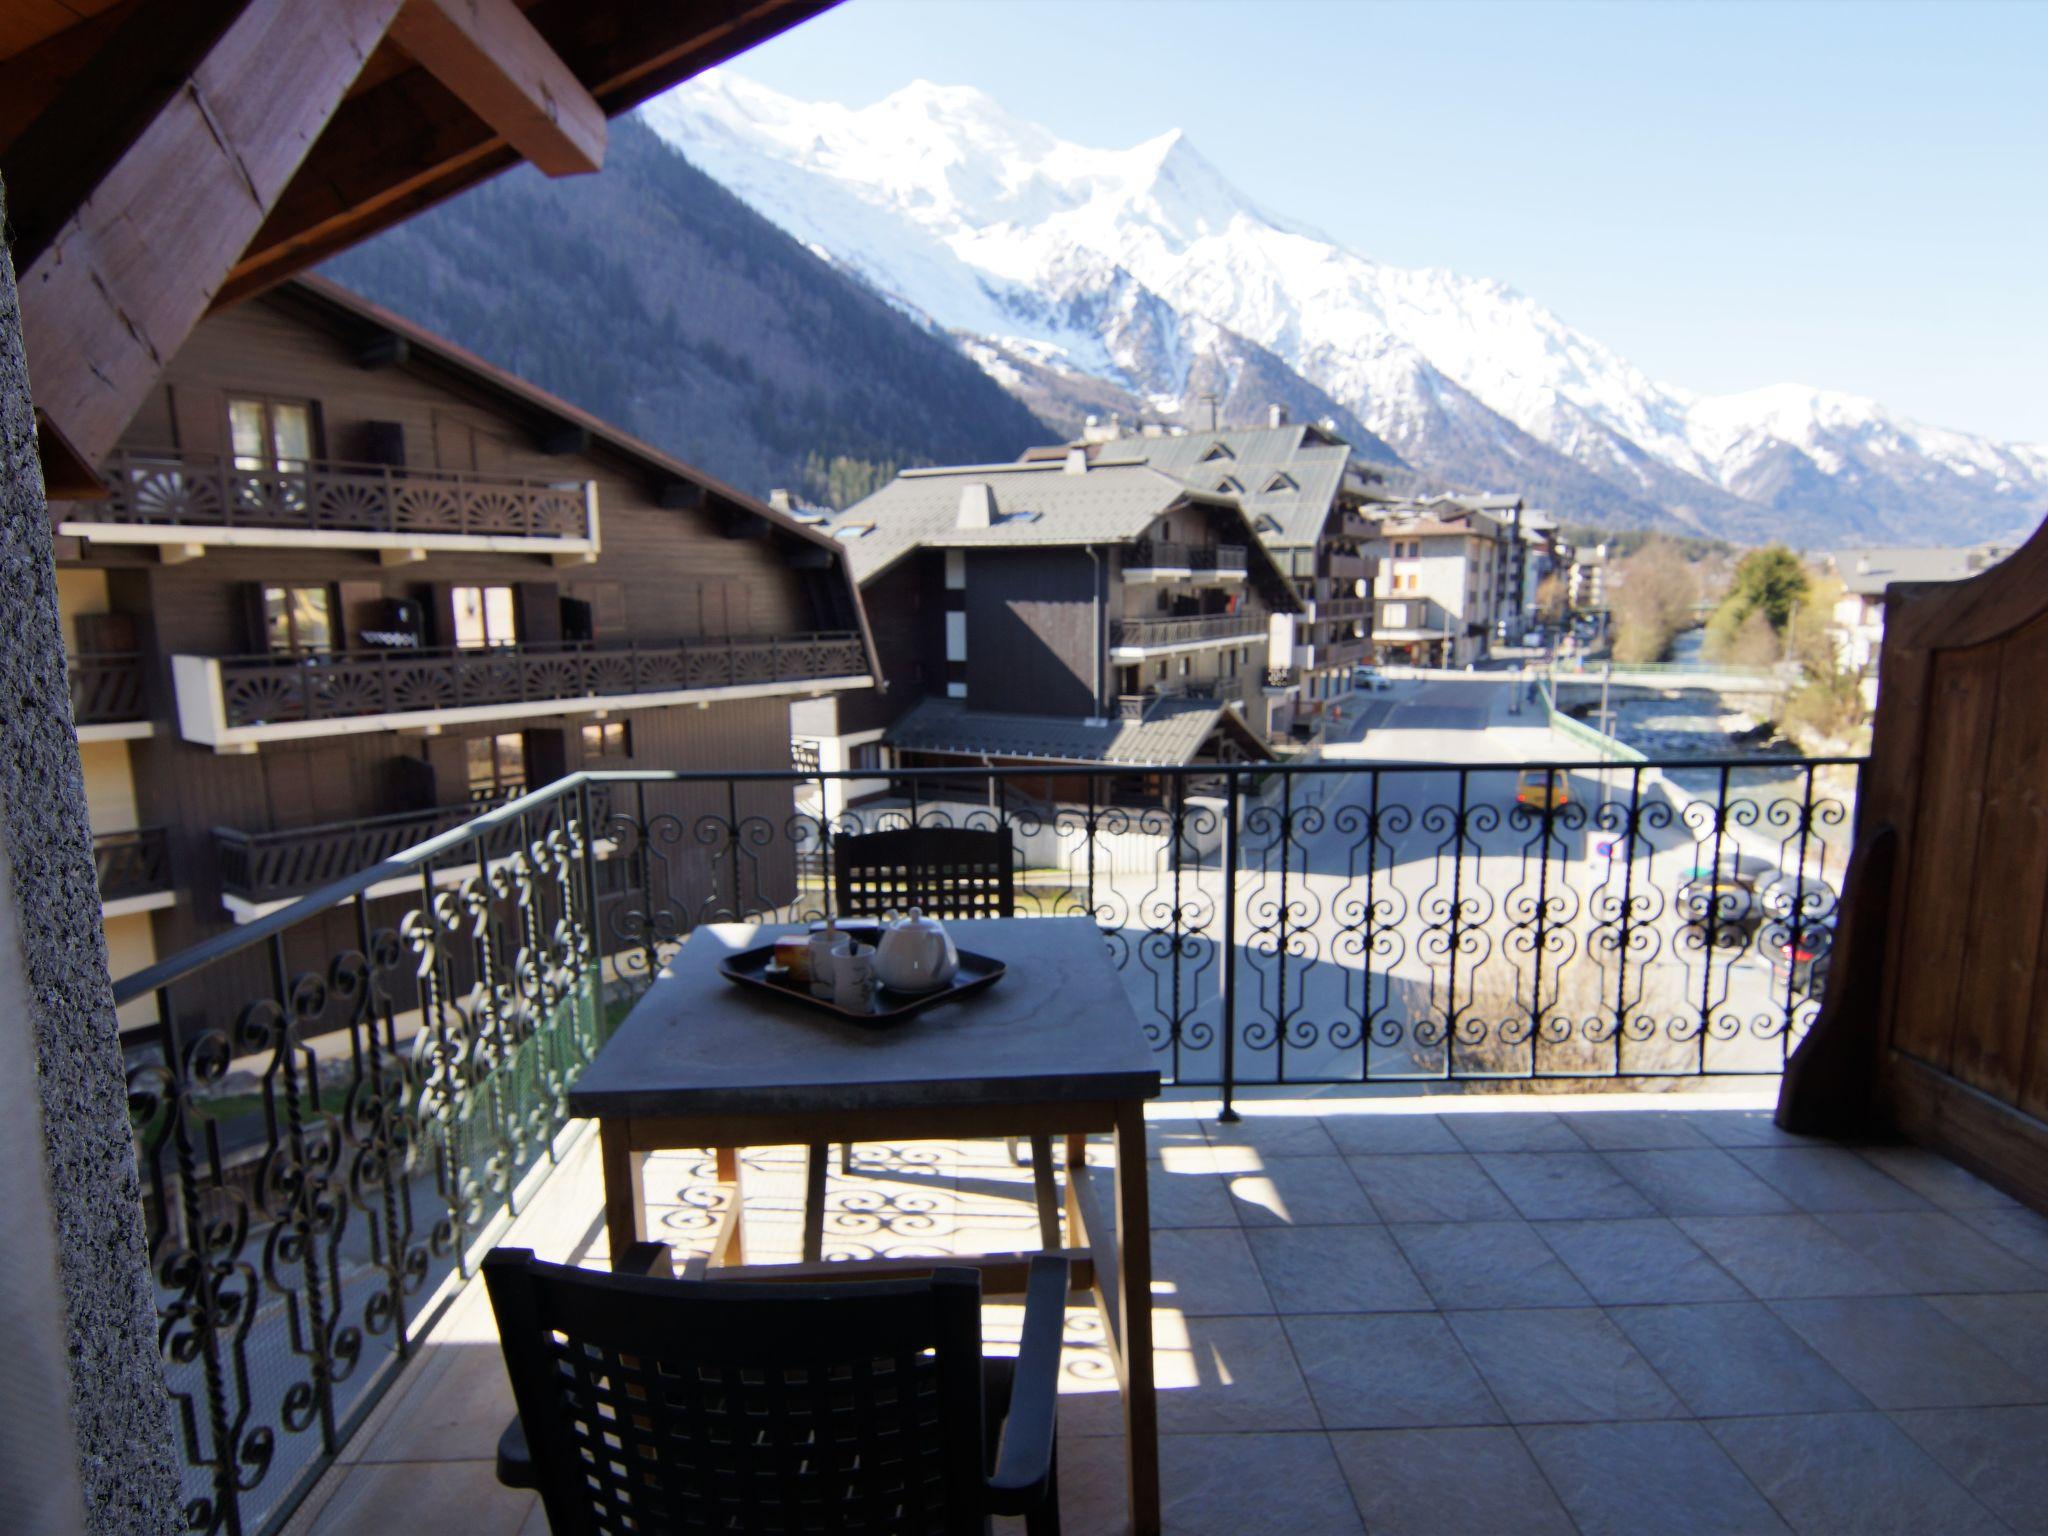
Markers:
point(1051, 1049)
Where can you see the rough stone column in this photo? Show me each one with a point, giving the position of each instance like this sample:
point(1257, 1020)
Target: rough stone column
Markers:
point(57, 1029)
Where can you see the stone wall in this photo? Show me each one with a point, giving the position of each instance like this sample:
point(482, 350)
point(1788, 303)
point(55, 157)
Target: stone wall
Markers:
point(127, 1452)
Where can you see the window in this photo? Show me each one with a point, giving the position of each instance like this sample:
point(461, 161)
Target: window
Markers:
point(297, 621)
point(606, 738)
point(497, 766)
point(484, 616)
point(1183, 666)
point(1218, 452)
point(270, 435)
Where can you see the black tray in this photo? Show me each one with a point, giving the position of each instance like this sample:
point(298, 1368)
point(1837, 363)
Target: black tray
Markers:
point(750, 969)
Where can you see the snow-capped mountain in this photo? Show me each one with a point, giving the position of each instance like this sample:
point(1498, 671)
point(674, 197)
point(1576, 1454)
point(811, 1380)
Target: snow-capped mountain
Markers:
point(1141, 279)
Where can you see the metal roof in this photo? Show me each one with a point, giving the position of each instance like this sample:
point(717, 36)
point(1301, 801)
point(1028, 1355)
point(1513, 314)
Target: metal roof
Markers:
point(1171, 733)
point(1029, 505)
point(1250, 458)
point(1867, 572)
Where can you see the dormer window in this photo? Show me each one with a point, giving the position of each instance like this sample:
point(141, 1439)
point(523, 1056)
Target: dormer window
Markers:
point(1218, 453)
point(1229, 486)
point(1279, 483)
point(1266, 525)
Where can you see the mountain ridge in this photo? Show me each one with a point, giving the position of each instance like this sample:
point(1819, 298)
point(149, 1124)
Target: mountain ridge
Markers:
point(1040, 256)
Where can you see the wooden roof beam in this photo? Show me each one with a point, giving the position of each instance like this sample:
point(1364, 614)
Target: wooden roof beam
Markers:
point(488, 54)
point(408, 142)
point(121, 282)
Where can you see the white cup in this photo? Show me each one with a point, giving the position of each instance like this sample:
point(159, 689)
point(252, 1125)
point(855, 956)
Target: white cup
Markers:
point(853, 976)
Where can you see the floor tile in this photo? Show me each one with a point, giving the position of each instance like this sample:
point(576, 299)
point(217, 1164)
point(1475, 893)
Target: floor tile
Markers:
point(1448, 1482)
point(1562, 1366)
point(1850, 1474)
point(1551, 1186)
point(1274, 1135)
point(423, 1496)
point(1828, 1179)
point(1336, 1269)
point(453, 1411)
point(1216, 1485)
point(1735, 1358)
point(2020, 1232)
point(1787, 1256)
point(1215, 1375)
point(1637, 1479)
point(1389, 1370)
point(1506, 1131)
point(1300, 1192)
point(1488, 1264)
point(2013, 1327)
point(1931, 1251)
point(1635, 1130)
point(1707, 1182)
point(1941, 1181)
point(1189, 1197)
point(1901, 1353)
point(1745, 1128)
point(1206, 1272)
point(1431, 1187)
point(1996, 1453)
point(1638, 1262)
point(1390, 1133)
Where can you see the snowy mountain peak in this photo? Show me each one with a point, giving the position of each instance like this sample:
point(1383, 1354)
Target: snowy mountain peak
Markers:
point(1132, 266)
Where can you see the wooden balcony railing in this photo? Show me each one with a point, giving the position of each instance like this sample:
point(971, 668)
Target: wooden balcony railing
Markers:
point(270, 690)
point(1342, 608)
point(131, 863)
point(106, 689)
point(268, 866)
point(1196, 630)
point(203, 491)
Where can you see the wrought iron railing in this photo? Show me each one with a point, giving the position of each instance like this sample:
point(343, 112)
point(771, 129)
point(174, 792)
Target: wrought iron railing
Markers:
point(268, 690)
point(269, 866)
point(1193, 630)
point(106, 689)
point(337, 1103)
point(131, 863)
point(1282, 678)
point(208, 490)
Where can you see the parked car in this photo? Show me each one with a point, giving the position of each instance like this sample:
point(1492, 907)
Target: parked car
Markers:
point(1721, 898)
point(1543, 789)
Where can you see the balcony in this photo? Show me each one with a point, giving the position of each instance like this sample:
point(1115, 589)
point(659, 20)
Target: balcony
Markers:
point(1166, 560)
point(1339, 608)
point(1588, 1306)
point(187, 503)
point(1134, 639)
point(1282, 680)
point(134, 870)
point(107, 698)
point(235, 703)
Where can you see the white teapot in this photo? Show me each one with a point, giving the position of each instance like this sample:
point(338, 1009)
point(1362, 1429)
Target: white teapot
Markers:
point(915, 955)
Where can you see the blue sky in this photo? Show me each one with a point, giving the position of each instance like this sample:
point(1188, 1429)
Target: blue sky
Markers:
point(1852, 196)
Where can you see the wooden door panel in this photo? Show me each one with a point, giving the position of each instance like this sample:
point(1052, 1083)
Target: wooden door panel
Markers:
point(2005, 895)
point(1961, 709)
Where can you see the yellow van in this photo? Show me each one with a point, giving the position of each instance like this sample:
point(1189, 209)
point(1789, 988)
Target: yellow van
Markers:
point(1543, 789)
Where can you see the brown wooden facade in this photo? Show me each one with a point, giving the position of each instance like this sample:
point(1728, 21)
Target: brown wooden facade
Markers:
point(672, 627)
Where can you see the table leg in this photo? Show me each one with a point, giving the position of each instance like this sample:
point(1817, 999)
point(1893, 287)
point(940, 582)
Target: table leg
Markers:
point(1134, 1280)
point(625, 1194)
point(728, 1241)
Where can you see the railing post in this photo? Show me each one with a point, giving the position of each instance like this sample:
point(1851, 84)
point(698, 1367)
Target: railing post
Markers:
point(1229, 1114)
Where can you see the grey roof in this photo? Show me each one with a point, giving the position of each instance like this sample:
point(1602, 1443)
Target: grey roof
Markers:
point(1251, 457)
point(1031, 505)
point(1868, 572)
point(1170, 734)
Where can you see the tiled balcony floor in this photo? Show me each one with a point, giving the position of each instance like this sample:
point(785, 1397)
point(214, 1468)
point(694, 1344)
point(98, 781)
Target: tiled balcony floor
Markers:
point(1426, 1317)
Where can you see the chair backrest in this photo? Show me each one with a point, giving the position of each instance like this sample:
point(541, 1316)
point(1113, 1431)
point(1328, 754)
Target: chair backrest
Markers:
point(949, 872)
point(654, 1405)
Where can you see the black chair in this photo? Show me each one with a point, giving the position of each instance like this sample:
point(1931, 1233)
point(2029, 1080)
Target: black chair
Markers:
point(650, 1405)
point(949, 873)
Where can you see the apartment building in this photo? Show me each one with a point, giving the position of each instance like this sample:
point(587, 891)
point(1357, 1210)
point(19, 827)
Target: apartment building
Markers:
point(349, 582)
point(1437, 590)
point(1309, 498)
point(1055, 611)
point(1865, 574)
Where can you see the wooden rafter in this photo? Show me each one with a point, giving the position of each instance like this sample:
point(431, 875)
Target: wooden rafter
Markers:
point(408, 142)
point(488, 53)
point(121, 281)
